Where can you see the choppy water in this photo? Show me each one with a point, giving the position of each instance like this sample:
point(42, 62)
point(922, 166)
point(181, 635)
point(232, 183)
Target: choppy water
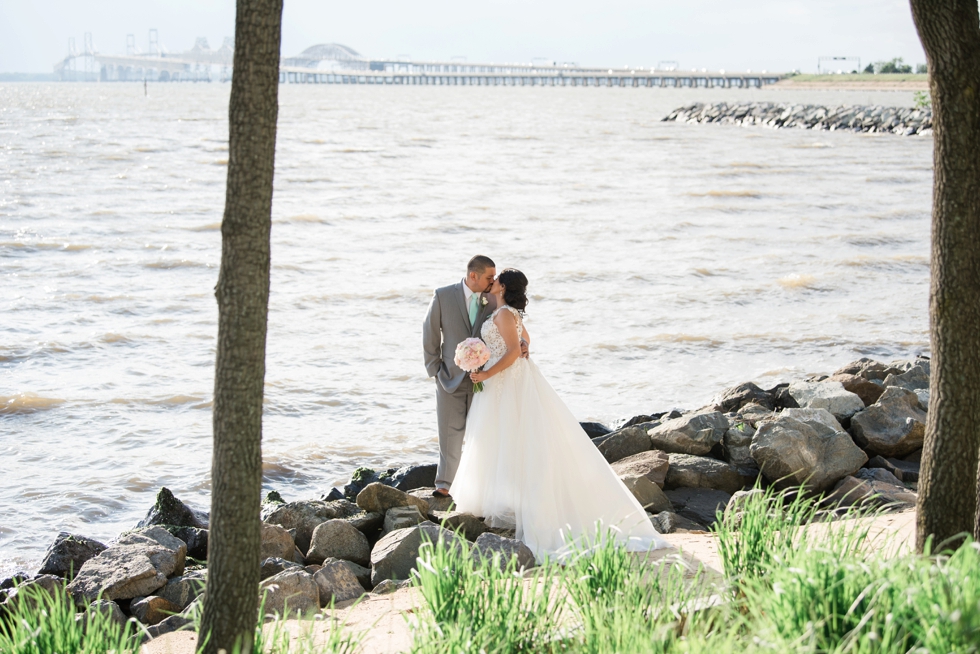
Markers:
point(666, 262)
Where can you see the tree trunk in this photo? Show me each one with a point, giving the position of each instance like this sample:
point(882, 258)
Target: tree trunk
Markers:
point(949, 484)
point(229, 616)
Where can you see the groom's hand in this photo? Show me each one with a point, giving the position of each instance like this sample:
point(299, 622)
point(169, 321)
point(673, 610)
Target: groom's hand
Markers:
point(524, 350)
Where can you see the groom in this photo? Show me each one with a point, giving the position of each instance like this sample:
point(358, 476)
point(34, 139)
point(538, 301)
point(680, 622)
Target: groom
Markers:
point(457, 312)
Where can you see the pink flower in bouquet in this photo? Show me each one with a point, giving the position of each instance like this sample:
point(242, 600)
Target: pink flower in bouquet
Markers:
point(471, 355)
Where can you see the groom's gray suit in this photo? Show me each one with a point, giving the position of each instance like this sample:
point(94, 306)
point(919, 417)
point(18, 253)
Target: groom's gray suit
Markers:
point(446, 325)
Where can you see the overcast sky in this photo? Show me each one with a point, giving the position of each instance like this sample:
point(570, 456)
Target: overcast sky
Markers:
point(776, 35)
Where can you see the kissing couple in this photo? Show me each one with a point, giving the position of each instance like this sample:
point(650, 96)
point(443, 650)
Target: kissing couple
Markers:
point(514, 454)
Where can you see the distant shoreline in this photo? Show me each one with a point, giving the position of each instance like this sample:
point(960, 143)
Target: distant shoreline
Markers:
point(855, 82)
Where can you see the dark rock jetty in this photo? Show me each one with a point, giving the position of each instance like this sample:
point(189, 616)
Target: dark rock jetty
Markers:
point(905, 121)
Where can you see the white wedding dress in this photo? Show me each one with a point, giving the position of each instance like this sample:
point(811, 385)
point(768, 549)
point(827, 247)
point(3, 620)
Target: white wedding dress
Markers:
point(528, 465)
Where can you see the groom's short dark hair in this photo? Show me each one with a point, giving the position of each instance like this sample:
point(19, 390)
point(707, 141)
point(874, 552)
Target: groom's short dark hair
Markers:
point(479, 263)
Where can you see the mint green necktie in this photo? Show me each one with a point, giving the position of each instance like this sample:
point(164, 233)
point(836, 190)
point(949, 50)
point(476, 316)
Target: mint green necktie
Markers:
point(473, 301)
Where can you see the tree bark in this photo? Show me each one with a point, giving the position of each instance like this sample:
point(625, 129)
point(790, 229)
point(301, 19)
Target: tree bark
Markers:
point(949, 484)
point(242, 292)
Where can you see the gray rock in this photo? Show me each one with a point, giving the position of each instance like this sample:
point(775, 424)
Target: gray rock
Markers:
point(402, 517)
point(395, 555)
point(169, 625)
point(867, 368)
point(506, 549)
point(700, 505)
point(820, 419)
point(923, 395)
point(878, 474)
point(736, 443)
point(668, 522)
point(752, 414)
point(368, 523)
point(273, 566)
point(793, 453)
point(435, 503)
point(852, 491)
point(362, 477)
point(290, 592)
point(362, 574)
point(647, 493)
point(624, 443)
point(378, 498)
point(693, 434)
point(103, 612)
point(412, 477)
point(651, 464)
point(341, 540)
point(826, 395)
point(593, 429)
point(894, 426)
point(67, 553)
point(276, 542)
point(168, 510)
point(153, 610)
point(689, 471)
point(183, 590)
point(29, 591)
point(138, 564)
point(905, 471)
point(867, 390)
point(337, 583)
point(736, 397)
point(913, 379)
point(305, 516)
point(195, 538)
point(466, 525)
point(389, 586)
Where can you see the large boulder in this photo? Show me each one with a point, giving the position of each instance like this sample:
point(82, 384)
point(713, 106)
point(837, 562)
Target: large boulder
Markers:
point(868, 369)
point(647, 493)
point(368, 523)
point(290, 592)
point(103, 612)
point(736, 397)
point(813, 417)
point(412, 477)
point(195, 538)
point(688, 471)
point(914, 378)
point(506, 549)
point(868, 391)
point(67, 553)
point(29, 593)
point(696, 433)
point(736, 443)
point(362, 574)
point(466, 525)
point(828, 395)
point(305, 516)
point(337, 583)
point(138, 564)
point(362, 477)
point(893, 427)
point(853, 491)
point(698, 504)
point(183, 590)
point(341, 540)
point(153, 609)
point(378, 498)
point(395, 555)
point(904, 471)
point(402, 517)
point(753, 414)
point(651, 464)
point(435, 502)
point(168, 510)
point(625, 442)
point(274, 565)
point(593, 429)
point(276, 542)
point(792, 453)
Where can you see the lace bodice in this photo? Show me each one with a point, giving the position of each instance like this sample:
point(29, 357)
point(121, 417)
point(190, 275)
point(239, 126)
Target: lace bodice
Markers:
point(491, 335)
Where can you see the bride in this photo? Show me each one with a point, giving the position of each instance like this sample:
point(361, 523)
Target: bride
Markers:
point(527, 464)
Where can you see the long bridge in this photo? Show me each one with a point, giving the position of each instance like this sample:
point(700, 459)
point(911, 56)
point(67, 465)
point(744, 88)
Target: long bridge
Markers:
point(332, 63)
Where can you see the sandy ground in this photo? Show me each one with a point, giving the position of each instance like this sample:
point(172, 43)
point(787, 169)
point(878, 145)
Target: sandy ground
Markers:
point(385, 618)
point(790, 84)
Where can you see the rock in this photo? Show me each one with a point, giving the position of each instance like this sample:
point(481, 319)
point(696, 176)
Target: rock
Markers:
point(152, 610)
point(368, 523)
point(923, 395)
point(363, 574)
point(334, 494)
point(341, 540)
point(108, 612)
point(852, 491)
point(466, 525)
point(736, 397)
point(792, 453)
point(298, 557)
point(639, 420)
point(593, 429)
point(651, 464)
point(273, 497)
point(905, 471)
point(753, 414)
point(337, 583)
point(691, 434)
point(402, 517)
point(274, 565)
point(394, 556)
point(195, 538)
point(305, 516)
point(739, 499)
point(290, 592)
point(820, 419)
point(67, 553)
point(828, 395)
point(668, 522)
point(894, 426)
point(781, 398)
point(736, 442)
point(878, 474)
point(28, 593)
point(868, 391)
point(138, 564)
point(647, 493)
point(169, 625)
point(625, 442)
point(168, 510)
point(507, 549)
point(276, 543)
point(412, 477)
point(378, 498)
point(913, 379)
point(435, 503)
point(388, 586)
point(689, 471)
point(700, 505)
point(15, 580)
point(867, 368)
point(363, 477)
point(183, 590)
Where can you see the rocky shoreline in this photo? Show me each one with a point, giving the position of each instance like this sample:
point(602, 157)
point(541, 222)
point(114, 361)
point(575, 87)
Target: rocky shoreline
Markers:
point(854, 436)
point(906, 121)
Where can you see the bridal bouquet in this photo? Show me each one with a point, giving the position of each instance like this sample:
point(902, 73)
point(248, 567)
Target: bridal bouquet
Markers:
point(471, 354)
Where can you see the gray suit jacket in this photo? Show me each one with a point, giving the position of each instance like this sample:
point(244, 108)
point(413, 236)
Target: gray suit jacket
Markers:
point(446, 325)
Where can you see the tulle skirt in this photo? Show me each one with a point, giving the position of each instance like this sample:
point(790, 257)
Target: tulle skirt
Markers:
point(528, 465)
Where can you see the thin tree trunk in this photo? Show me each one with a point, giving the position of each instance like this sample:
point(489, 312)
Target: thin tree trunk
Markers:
point(230, 606)
point(949, 483)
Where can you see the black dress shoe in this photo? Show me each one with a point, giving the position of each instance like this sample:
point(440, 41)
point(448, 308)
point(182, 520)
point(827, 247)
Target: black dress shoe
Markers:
point(444, 493)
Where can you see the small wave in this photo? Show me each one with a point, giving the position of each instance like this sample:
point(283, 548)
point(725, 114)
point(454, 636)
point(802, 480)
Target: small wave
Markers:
point(807, 146)
point(704, 272)
point(220, 162)
point(192, 401)
point(211, 227)
point(303, 218)
point(175, 263)
point(746, 164)
point(27, 403)
point(727, 194)
point(356, 150)
point(797, 281)
point(114, 338)
point(895, 261)
point(66, 247)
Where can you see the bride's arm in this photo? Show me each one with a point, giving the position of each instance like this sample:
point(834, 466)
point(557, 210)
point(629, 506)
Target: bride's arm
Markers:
point(507, 326)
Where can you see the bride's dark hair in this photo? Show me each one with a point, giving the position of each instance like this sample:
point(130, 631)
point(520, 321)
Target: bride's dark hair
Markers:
point(515, 287)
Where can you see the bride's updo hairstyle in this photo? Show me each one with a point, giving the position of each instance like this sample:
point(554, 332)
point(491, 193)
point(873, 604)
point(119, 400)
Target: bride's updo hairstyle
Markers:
point(515, 288)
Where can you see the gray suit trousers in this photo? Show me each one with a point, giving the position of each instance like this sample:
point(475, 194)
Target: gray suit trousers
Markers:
point(451, 410)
